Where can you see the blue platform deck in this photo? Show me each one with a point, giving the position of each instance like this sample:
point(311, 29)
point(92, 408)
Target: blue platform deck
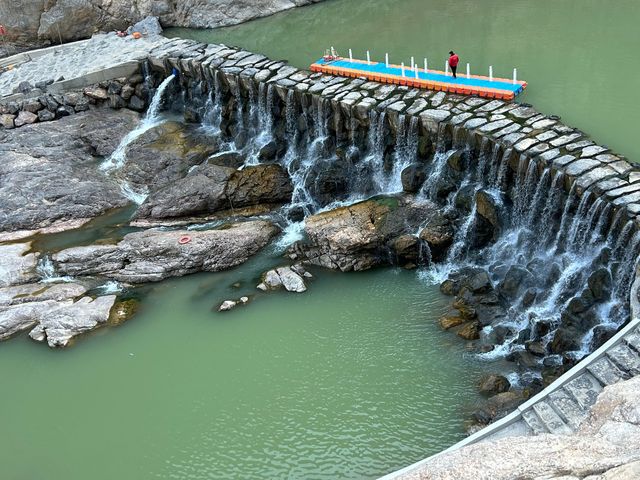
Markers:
point(432, 79)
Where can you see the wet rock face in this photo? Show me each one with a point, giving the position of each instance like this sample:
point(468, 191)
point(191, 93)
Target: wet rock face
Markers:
point(328, 181)
point(164, 154)
point(210, 188)
point(154, 255)
point(357, 237)
point(55, 162)
point(259, 184)
point(200, 192)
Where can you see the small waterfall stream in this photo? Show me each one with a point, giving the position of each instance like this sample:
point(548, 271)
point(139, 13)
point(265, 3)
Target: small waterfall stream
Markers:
point(118, 158)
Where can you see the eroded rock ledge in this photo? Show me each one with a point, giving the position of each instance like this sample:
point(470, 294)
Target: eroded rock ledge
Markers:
point(154, 255)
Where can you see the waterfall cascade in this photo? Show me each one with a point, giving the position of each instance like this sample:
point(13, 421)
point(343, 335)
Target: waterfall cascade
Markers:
point(560, 262)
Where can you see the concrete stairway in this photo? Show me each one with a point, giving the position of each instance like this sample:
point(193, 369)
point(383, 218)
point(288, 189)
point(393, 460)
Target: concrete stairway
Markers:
point(564, 409)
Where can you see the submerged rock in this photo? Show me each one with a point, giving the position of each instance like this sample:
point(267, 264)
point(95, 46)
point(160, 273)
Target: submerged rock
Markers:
point(227, 305)
point(154, 255)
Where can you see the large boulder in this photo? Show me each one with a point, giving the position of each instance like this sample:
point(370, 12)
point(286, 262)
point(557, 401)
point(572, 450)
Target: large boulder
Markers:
point(200, 192)
point(488, 215)
point(153, 255)
point(289, 278)
point(492, 384)
point(413, 177)
point(208, 188)
point(328, 180)
point(438, 232)
point(259, 184)
point(356, 237)
point(516, 280)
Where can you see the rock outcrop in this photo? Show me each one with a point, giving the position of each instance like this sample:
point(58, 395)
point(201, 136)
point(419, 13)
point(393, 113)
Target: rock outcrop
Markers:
point(16, 265)
point(164, 154)
point(49, 172)
point(75, 19)
point(153, 255)
point(209, 188)
point(289, 278)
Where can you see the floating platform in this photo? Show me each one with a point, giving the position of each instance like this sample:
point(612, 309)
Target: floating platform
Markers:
point(501, 88)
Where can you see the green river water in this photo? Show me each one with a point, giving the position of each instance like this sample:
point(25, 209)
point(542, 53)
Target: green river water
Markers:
point(352, 379)
point(580, 57)
point(349, 380)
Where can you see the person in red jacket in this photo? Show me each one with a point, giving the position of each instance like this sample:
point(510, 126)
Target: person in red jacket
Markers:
point(453, 63)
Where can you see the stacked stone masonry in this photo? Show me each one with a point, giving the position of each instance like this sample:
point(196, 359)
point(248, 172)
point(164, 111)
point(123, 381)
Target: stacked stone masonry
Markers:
point(519, 127)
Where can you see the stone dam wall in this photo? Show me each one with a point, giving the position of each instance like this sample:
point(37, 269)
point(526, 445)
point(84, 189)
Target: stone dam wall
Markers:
point(532, 169)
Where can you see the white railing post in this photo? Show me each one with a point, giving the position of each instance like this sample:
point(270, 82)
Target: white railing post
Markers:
point(402, 67)
point(446, 68)
point(368, 57)
point(412, 63)
point(491, 73)
point(416, 71)
point(468, 71)
point(515, 75)
point(426, 65)
point(386, 60)
point(350, 56)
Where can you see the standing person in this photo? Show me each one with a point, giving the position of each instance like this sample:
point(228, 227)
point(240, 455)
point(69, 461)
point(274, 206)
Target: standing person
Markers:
point(453, 63)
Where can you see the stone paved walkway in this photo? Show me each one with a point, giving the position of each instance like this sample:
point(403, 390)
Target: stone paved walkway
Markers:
point(76, 59)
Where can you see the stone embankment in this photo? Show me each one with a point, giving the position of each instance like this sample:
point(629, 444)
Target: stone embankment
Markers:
point(585, 425)
point(538, 137)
